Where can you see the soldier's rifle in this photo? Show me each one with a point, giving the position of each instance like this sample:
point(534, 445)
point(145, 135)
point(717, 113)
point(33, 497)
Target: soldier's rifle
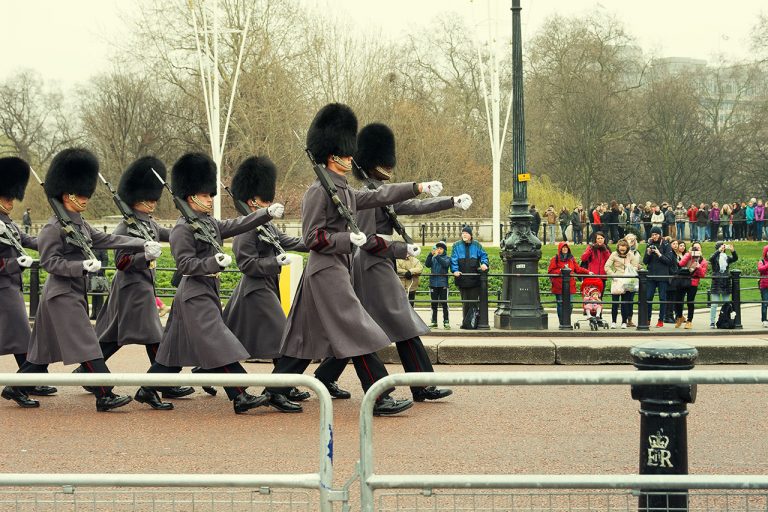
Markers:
point(331, 190)
point(72, 234)
point(243, 209)
point(7, 238)
point(202, 231)
point(389, 210)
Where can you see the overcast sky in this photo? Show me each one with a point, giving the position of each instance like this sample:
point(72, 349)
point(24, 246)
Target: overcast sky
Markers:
point(69, 41)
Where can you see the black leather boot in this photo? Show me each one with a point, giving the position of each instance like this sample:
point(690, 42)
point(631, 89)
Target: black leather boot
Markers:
point(42, 391)
point(150, 397)
point(282, 404)
point(388, 406)
point(430, 393)
point(19, 396)
point(245, 402)
point(177, 392)
point(111, 401)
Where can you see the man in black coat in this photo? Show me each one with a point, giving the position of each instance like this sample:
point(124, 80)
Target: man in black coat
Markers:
point(659, 260)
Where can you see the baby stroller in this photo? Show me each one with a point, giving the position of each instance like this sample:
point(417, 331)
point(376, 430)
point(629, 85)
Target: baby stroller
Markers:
point(591, 290)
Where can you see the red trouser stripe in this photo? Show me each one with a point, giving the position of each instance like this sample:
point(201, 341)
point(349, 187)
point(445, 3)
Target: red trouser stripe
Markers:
point(365, 364)
point(413, 354)
point(238, 388)
point(91, 370)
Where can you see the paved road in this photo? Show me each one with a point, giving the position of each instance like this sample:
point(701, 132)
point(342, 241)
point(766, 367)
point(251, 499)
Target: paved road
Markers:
point(480, 430)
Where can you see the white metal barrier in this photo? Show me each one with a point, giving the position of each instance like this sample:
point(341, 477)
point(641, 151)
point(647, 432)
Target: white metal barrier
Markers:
point(321, 481)
point(370, 481)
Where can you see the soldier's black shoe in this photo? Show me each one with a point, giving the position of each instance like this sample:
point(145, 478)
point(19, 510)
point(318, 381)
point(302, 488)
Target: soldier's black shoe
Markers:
point(430, 393)
point(282, 404)
point(19, 396)
point(210, 390)
point(387, 406)
point(89, 389)
point(177, 392)
point(111, 401)
point(150, 397)
point(245, 402)
point(294, 395)
point(42, 391)
point(336, 392)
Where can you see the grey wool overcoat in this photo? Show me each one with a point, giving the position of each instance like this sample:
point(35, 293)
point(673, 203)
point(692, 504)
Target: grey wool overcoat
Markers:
point(14, 322)
point(195, 334)
point(254, 313)
point(326, 318)
point(130, 316)
point(62, 330)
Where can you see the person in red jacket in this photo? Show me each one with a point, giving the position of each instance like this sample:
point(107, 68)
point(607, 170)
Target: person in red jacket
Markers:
point(561, 260)
point(596, 255)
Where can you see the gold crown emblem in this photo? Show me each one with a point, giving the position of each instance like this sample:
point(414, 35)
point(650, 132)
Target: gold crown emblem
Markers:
point(658, 441)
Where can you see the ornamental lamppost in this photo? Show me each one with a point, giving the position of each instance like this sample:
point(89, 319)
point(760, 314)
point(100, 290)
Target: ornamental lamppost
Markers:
point(521, 250)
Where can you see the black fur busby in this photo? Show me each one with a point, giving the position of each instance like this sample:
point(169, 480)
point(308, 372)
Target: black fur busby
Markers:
point(72, 171)
point(139, 183)
point(333, 132)
point(375, 148)
point(14, 175)
point(193, 173)
point(256, 177)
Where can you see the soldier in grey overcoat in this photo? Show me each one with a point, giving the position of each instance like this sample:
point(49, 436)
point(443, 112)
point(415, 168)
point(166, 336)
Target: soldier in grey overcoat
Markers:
point(254, 313)
point(373, 272)
point(327, 319)
point(195, 334)
point(14, 322)
point(62, 330)
point(130, 316)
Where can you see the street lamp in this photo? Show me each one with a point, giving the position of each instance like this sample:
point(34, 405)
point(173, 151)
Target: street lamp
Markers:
point(521, 250)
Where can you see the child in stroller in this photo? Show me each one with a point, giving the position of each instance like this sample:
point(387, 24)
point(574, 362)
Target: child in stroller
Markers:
point(591, 290)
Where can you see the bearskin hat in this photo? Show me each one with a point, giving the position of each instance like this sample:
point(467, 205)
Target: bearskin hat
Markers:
point(256, 177)
point(333, 132)
point(375, 148)
point(139, 183)
point(193, 173)
point(14, 175)
point(72, 171)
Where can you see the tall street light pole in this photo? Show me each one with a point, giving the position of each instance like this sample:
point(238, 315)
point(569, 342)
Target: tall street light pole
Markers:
point(521, 250)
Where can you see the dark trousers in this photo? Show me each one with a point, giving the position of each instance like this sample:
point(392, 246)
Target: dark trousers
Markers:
point(713, 227)
point(439, 294)
point(468, 294)
point(625, 302)
point(369, 368)
point(577, 235)
point(232, 392)
point(412, 297)
point(651, 291)
point(110, 348)
point(20, 359)
point(687, 294)
point(92, 366)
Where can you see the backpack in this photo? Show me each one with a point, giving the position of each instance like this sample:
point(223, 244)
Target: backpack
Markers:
point(727, 317)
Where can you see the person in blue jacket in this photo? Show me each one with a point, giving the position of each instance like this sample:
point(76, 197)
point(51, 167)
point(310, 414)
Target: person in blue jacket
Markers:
point(468, 257)
point(439, 262)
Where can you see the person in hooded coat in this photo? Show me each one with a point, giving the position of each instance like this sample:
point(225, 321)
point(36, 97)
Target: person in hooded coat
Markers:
point(14, 323)
point(374, 277)
point(327, 318)
point(196, 334)
point(130, 316)
point(254, 313)
point(63, 331)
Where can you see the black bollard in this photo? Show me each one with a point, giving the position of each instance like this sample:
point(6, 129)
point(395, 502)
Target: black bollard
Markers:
point(736, 296)
point(663, 421)
point(34, 288)
point(642, 301)
point(565, 299)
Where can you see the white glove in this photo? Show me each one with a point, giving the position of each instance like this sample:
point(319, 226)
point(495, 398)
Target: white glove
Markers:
point(276, 210)
point(283, 260)
point(358, 238)
point(152, 250)
point(464, 201)
point(413, 250)
point(224, 260)
point(92, 265)
point(2, 226)
point(24, 261)
point(432, 187)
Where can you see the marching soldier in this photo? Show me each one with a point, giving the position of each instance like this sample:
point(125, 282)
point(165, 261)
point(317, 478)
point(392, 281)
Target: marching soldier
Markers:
point(14, 323)
point(327, 319)
point(374, 276)
point(130, 316)
point(195, 334)
point(254, 313)
point(62, 330)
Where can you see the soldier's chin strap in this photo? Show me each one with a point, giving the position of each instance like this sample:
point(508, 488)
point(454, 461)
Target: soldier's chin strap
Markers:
point(205, 207)
point(149, 206)
point(4, 209)
point(73, 199)
point(345, 166)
